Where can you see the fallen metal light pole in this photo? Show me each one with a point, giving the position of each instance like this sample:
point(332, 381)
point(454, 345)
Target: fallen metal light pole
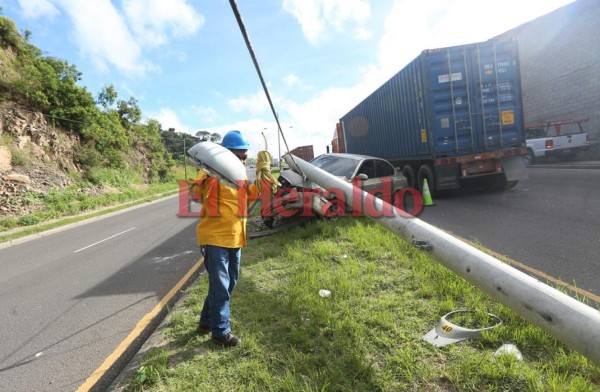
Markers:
point(568, 320)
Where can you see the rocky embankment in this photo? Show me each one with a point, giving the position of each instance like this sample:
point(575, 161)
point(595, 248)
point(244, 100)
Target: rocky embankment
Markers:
point(34, 156)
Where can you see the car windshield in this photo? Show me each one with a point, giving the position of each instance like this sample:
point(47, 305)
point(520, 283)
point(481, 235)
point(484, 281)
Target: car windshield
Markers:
point(338, 166)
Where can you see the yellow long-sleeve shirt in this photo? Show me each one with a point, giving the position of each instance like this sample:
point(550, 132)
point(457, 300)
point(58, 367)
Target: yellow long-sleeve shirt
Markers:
point(224, 212)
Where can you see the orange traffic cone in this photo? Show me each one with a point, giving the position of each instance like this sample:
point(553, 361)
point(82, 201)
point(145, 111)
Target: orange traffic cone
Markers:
point(427, 201)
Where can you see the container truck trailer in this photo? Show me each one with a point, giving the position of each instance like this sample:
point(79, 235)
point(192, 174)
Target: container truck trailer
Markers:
point(451, 116)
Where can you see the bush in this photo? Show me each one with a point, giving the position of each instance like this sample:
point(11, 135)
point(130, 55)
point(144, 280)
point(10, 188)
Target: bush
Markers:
point(59, 201)
point(87, 156)
point(8, 223)
point(117, 178)
point(18, 157)
point(30, 219)
point(9, 34)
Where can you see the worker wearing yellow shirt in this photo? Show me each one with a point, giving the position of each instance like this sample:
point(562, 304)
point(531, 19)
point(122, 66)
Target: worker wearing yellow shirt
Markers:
point(221, 233)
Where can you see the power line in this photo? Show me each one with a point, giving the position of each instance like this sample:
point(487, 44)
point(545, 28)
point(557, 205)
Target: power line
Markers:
point(44, 114)
point(238, 17)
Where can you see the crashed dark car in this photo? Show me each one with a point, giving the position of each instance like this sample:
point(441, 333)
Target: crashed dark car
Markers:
point(371, 174)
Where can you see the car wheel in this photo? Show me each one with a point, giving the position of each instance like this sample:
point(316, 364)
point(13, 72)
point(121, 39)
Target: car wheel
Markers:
point(271, 218)
point(405, 201)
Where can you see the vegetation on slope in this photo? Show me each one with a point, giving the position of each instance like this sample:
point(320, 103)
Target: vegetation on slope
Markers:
point(109, 129)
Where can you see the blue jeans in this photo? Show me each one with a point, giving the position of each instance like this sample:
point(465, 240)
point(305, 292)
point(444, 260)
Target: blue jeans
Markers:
point(223, 267)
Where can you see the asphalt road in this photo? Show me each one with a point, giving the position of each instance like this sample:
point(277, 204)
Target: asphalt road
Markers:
point(549, 222)
point(67, 300)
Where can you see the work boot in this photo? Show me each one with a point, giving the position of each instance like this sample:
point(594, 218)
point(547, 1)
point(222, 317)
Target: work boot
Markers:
point(228, 341)
point(202, 329)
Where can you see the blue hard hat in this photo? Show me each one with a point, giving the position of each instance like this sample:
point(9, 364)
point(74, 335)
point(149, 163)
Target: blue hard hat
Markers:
point(234, 140)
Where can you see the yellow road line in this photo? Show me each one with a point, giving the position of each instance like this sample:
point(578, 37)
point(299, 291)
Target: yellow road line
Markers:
point(544, 275)
point(135, 333)
point(535, 272)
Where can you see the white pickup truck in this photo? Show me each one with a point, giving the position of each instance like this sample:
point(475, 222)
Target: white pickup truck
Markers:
point(562, 139)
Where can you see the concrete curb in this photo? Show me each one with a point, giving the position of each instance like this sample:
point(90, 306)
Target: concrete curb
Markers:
point(588, 165)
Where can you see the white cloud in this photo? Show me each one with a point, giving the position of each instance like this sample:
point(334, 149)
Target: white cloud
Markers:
point(362, 34)
point(111, 38)
point(316, 17)
point(293, 81)
point(33, 9)
point(254, 104)
point(315, 119)
point(414, 25)
point(169, 119)
point(207, 115)
point(103, 36)
point(153, 21)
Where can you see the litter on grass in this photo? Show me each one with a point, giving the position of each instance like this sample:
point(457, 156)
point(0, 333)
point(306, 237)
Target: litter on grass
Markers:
point(446, 332)
point(509, 349)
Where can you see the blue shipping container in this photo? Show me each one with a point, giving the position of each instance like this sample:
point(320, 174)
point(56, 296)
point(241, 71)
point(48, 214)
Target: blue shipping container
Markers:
point(446, 103)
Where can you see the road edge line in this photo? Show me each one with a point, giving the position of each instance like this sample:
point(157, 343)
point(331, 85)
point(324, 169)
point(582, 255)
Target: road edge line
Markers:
point(91, 381)
point(537, 273)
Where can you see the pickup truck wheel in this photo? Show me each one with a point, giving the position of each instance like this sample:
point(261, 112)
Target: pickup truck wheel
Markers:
point(529, 158)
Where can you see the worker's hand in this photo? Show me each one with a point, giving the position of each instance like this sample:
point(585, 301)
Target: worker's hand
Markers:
point(195, 187)
point(263, 173)
point(194, 191)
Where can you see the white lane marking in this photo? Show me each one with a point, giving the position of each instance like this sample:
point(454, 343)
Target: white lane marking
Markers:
point(106, 239)
point(167, 258)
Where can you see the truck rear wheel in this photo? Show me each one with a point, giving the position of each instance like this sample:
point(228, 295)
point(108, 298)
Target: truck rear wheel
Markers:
point(426, 172)
point(409, 173)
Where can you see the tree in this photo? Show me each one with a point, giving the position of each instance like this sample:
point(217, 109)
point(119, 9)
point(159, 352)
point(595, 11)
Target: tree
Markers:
point(129, 111)
point(9, 35)
point(203, 135)
point(215, 137)
point(174, 142)
point(107, 96)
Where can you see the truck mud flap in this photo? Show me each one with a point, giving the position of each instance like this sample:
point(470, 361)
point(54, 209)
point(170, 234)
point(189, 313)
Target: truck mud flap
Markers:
point(447, 177)
point(514, 168)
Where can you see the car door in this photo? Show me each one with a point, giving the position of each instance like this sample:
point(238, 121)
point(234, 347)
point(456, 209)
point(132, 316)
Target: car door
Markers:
point(368, 168)
point(384, 171)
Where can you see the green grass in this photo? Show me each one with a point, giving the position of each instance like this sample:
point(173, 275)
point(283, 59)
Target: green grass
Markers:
point(366, 337)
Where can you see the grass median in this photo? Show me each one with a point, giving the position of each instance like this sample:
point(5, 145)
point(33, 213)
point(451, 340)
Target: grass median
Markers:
point(366, 336)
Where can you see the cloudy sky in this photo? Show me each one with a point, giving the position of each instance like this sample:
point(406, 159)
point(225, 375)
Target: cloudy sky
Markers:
point(186, 62)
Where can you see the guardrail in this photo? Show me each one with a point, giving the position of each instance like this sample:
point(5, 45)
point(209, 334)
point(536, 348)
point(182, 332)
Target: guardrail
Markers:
point(568, 320)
